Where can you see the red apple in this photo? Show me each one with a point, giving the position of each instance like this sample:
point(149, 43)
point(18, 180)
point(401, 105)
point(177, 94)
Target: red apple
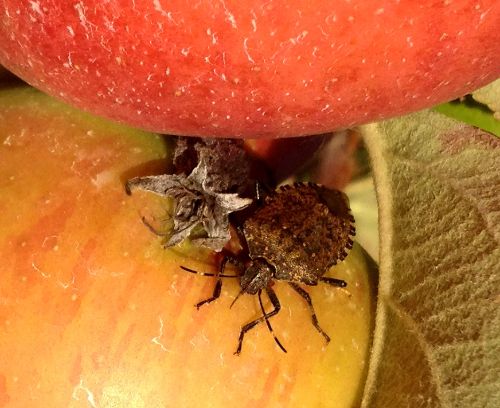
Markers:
point(251, 68)
point(95, 313)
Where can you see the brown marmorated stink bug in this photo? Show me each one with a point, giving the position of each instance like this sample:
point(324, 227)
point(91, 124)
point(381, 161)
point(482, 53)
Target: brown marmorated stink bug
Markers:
point(295, 234)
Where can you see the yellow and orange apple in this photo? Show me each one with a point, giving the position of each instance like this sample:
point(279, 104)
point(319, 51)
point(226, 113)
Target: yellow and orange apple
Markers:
point(94, 312)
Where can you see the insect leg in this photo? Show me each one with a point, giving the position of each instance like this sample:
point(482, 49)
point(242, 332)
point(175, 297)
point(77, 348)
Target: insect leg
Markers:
point(215, 294)
point(262, 189)
point(218, 284)
point(334, 282)
point(268, 323)
point(249, 326)
point(307, 298)
point(258, 192)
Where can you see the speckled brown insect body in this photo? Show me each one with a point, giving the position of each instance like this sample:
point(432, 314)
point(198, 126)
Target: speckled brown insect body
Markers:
point(295, 235)
point(299, 232)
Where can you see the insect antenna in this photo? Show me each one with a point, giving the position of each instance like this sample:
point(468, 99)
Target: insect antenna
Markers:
point(243, 290)
point(269, 324)
point(237, 297)
point(221, 275)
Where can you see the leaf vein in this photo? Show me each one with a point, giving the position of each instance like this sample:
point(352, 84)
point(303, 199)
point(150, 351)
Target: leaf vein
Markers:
point(427, 169)
point(424, 344)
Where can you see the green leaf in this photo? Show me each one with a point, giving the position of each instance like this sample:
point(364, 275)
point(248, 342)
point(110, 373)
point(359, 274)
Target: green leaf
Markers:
point(490, 96)
point(471, 113)
point(437, 337)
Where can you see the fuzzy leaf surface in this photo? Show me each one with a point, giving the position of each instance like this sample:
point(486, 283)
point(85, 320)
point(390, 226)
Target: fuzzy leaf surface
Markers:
point(437, 337)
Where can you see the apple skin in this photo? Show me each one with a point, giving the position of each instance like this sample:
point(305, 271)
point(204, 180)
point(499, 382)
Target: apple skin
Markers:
point(94, 312)
point(236, 68)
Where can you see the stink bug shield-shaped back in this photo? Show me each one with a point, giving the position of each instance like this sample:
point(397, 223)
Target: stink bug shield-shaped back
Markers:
point(295, 235)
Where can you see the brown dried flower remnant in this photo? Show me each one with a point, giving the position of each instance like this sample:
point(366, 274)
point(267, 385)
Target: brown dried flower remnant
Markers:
point(213, 175)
